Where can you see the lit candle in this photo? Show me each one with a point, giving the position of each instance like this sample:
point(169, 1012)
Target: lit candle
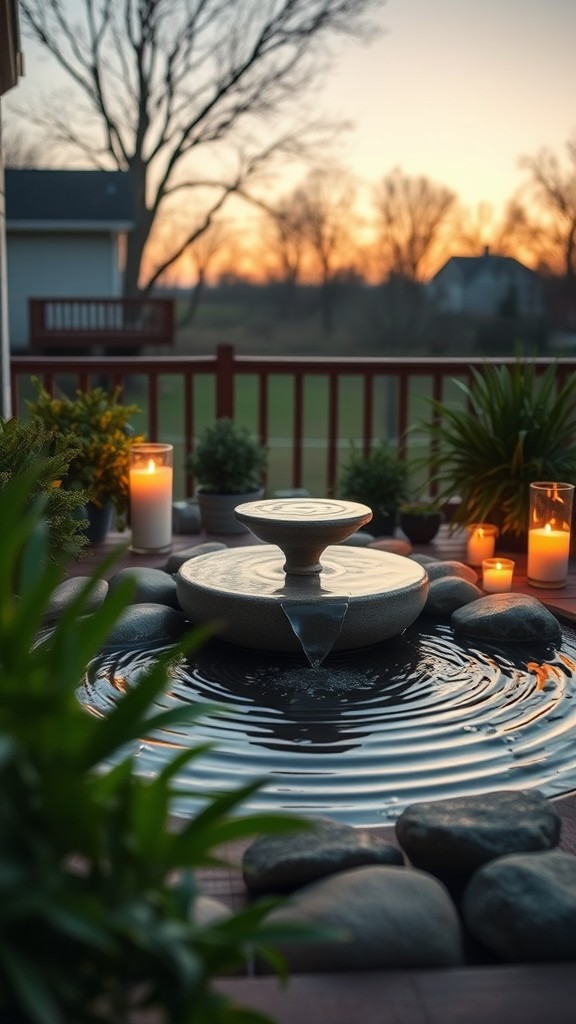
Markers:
point(497, 575)
point(548, 553)
point(151, 497)
point(481, 541)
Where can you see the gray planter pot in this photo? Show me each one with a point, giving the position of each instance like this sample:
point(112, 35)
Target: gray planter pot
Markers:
point(217, 511)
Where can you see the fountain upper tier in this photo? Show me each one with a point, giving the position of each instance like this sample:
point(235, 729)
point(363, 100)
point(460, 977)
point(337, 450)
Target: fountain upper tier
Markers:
point(257, 594)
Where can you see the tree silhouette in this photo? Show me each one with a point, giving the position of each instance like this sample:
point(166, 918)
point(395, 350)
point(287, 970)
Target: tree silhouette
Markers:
point(315, 229)
point(411, 215)
point(543, 215)
point(186, 96)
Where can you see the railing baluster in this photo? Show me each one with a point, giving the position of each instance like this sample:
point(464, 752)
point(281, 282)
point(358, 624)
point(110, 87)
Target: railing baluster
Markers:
point(225, 368)
point(298, 430)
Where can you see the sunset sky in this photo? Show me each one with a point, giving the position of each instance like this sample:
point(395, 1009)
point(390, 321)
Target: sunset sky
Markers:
point(456, 90)
point(459, 90)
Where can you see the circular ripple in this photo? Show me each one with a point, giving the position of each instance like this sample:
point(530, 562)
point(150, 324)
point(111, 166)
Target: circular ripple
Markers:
point(419, 717)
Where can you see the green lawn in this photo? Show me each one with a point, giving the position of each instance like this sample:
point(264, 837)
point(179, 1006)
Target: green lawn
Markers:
point(280, 409)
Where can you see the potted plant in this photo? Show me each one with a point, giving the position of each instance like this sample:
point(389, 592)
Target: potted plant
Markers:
point(99, 911)
point(379, 480)
point(420, 520)
point(27, 445)
point(515, 427)
point(228, 466)
point(100, 423)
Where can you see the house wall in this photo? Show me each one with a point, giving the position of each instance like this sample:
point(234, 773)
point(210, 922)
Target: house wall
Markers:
point(52, 265)
point(484, 291)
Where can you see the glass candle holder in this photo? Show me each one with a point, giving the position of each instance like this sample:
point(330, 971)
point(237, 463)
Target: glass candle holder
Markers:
point(481, 542)
point(549, 533)
point(151, 497)
point(497, 575)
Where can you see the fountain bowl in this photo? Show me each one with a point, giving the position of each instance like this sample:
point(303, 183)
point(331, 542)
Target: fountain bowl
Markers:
point(247, 592)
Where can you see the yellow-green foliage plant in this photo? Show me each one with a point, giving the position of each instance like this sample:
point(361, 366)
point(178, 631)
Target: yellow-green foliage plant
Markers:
point(97, 888)
point(100, 423)
point(31, 446)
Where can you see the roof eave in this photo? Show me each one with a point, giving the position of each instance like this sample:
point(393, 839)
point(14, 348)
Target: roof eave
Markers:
point(71, 226)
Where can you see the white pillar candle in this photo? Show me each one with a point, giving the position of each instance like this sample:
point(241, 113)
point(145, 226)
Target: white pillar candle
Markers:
point(497, 575)
point(151, 498)
point(548, 553)
point(481, 542)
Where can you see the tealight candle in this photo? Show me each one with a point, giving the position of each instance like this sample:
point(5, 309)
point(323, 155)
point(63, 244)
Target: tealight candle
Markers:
point(151, 497)
point(497, 575)
point(481, 542)
point(549, 533)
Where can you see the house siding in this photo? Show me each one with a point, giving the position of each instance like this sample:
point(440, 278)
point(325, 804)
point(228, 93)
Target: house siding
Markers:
point(484, 288)
point(58, 265)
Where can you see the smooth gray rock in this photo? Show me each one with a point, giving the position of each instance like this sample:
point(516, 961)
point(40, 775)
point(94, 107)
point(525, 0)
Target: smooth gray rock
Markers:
point(424, 560)
point(148, 623)
point(523, 907)
point(68, 590)
point(151, 586)
point(385, 917)
point(436, 570)
point(207, 910)
point(177, 558)
point(282, 863)
point(458, 835)
point(448, 593)
point(186, 517)
point(360, 539)
point(507, 617)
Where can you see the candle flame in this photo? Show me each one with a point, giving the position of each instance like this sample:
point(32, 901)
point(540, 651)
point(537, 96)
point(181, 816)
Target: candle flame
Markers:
point(480, 533)
point(499, 566)
point(151, 466)
point(548, 528)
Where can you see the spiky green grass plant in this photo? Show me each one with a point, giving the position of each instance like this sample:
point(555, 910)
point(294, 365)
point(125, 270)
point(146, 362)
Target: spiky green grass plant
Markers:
point(97, 888)
point(515, 427)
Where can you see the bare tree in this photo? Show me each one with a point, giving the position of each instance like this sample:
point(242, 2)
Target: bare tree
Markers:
point(185, 95)
point(476, 230)
point(543, 215)
point(321, 213)
point(202, 253)
point(412, 216)
point(19, 149)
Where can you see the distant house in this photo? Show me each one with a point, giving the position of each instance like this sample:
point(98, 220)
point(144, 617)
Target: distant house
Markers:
point(64, 237)
point(486, 285)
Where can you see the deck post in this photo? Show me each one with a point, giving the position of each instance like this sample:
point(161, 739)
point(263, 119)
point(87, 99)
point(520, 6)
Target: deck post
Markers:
point(225, 381)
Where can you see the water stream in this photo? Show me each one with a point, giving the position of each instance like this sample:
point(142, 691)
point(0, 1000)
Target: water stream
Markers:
point(317, 626)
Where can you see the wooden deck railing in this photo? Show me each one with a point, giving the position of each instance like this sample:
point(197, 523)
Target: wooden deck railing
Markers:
point(306, 409)
point(85, 325)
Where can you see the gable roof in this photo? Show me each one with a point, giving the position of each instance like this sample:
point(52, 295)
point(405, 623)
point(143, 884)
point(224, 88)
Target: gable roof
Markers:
point(73, 200)
point(470, 266)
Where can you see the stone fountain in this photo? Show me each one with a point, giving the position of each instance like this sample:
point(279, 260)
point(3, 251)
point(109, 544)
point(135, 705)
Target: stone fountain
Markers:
point(303, 588)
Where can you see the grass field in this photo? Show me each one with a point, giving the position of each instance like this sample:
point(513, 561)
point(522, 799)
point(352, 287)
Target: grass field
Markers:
point(251, 335)
point(281, 421)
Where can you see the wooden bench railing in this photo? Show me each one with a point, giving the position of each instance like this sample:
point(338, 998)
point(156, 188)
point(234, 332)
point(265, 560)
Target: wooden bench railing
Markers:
point(86, 325)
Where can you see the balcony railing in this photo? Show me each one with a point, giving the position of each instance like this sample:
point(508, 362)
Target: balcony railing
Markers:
point(93, 324)
point(306, 409)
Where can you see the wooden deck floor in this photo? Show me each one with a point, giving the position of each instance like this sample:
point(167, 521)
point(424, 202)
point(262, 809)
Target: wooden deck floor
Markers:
point(501, 994)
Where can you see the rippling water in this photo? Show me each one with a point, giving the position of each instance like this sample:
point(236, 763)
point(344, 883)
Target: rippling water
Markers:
point(421, 716)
